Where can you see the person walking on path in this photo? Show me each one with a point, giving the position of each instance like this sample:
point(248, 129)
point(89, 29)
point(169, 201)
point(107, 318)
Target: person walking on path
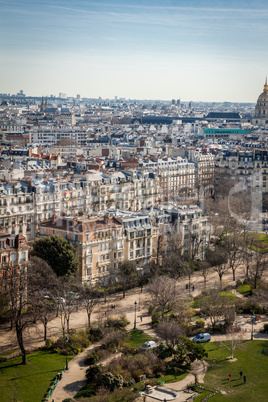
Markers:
point(245, 379)
point(141, 318)
point(241, 375)
point(229, 378)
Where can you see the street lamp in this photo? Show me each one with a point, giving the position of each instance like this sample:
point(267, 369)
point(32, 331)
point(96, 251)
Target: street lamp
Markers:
point(66, 339)
point(135, 320)
point(252, 322)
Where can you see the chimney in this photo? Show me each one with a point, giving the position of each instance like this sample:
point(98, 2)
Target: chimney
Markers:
point(106, 218)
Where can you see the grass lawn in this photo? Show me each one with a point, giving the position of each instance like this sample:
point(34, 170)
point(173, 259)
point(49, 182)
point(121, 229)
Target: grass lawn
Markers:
point(172, 378)
point(260, 242)
point(137, 338)
point(245, 290)
point(29, 383)
point(249, 360)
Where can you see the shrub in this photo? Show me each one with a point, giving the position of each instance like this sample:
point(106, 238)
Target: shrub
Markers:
point(102, 353)
point(93, 374)
point(265, 328)
point(129, 383)
point(107, 381)
point(114, 339)
point(249, 306)
point(119, 323)
point(49, 343)
point(238, 283)
point(92, 358)
point(163, 351)
point(96, 332)
point(156, 315)
point(80, 339)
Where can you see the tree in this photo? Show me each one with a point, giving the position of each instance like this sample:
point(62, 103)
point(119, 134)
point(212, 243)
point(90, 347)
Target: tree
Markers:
point(58, 253)
point(170, 331)
point(66, 300)
point(232, 342)
point(247, 252)
point(257, 268)
point(126, 273)
point(215, 305)
point(42, 285)
point(163, 294)
point(90, 297)
point(187, 352)
point(173, 259)
point(204, 271)
point(21, 312)
point(4, 308)
point(217, 259)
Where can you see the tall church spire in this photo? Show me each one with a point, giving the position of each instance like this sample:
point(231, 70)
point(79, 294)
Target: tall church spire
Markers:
point(265, 89)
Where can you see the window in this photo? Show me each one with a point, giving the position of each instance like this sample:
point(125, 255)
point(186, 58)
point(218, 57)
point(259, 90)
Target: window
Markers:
point(22, 256)
point(89, 272)
point(89, 250)
point(89, 259)
point(99, 247)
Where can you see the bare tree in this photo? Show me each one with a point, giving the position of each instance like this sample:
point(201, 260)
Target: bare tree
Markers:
point(170, 331)
point(21, 313)
point(247, 252)
point(42, 285)
point(232, 342)
point(126, 274)
point(217, 258)
point(163, 294)
point(258, 267)
point(90, 297)
point(215, 305)
point(66, 301)
point(204, 271)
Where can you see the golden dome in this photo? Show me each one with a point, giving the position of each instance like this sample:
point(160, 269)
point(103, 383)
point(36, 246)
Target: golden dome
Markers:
point(264, 95)
point(265, 89)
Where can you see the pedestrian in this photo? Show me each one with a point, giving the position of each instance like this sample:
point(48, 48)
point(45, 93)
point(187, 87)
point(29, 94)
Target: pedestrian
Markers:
point(193, 288)
point(229, 378)
point(141, 318)
point(245, 379)
point(241, 374)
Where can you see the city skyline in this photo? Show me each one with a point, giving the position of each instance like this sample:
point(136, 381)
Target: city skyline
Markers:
point(199, 50)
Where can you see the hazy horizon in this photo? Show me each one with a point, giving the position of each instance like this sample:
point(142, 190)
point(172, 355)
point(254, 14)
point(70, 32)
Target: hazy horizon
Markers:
point(199, 51)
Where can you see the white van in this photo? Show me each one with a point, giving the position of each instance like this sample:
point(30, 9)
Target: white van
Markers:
point(202, 338)
point(148, 345)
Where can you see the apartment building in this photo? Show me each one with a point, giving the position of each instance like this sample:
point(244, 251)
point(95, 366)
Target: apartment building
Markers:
point(14, 255)
point(100, 242)
point(246, 166)
point(176, 176)
point(205, 169)
point(139, 235)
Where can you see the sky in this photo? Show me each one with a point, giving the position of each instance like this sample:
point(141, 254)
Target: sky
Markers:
point(138, 49)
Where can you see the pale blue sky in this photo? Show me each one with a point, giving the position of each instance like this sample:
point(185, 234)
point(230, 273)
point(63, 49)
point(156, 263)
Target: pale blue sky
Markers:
point(145, 49)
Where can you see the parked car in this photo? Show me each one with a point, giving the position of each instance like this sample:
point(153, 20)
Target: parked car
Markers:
point(202, 338)
point(148, 345)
